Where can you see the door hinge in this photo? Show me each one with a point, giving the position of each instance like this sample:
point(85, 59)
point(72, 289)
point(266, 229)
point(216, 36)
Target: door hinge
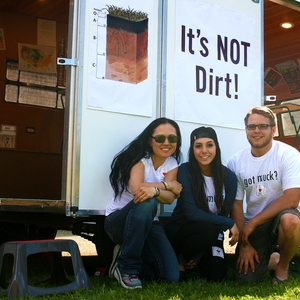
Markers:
point(66, 61)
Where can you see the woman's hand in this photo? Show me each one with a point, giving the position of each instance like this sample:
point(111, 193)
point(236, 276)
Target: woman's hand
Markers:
point(175, 187)
point(234, 235)
point(190, 264)
point(144, 193)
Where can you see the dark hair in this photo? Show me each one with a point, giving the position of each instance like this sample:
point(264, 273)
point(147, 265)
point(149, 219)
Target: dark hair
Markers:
point(217, 169)
point(134, 152)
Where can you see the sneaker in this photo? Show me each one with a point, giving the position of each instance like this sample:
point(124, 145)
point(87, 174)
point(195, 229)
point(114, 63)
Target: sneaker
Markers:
point(128, 281)
point(117, 251)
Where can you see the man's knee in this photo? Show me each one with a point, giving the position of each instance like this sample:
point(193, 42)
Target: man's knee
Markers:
point(289, 224)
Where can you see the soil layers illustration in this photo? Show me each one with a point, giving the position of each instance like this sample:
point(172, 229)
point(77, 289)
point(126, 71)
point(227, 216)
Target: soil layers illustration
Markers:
point(126, 45)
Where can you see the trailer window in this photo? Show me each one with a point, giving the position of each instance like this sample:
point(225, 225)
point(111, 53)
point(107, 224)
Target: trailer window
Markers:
point(290, 121)
point(288, 128)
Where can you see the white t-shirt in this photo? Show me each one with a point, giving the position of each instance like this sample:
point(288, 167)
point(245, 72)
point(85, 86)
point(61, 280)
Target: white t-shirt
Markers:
point(211, 194)
point(150, 175)
point(263, 179)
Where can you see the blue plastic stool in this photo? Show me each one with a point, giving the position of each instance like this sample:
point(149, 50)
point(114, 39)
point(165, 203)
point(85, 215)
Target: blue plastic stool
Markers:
point(18, 286)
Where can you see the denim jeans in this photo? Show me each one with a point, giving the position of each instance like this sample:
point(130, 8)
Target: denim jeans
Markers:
point(195, 240)
point(145, 248)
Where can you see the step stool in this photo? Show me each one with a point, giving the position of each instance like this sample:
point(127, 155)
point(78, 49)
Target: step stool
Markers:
point(18, 286)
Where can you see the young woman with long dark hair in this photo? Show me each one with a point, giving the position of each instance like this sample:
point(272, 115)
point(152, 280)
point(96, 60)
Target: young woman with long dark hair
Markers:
point(143, 175)
point(201, 215)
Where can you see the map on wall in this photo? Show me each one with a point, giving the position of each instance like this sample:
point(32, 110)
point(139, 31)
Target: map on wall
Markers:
point(37, 58)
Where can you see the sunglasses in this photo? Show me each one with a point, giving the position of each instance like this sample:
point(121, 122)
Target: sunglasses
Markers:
point(260, 126)
point(161, 138)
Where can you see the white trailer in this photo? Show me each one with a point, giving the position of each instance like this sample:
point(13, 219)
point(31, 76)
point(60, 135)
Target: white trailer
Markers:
point(198, 62)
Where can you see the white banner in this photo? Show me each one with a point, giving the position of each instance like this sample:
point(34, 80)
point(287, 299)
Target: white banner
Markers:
point(214, 63)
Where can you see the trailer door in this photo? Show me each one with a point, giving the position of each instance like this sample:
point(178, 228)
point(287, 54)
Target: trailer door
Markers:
point(113, 93)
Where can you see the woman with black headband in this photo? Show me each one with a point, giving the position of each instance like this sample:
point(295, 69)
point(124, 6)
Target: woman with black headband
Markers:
point(197, 224)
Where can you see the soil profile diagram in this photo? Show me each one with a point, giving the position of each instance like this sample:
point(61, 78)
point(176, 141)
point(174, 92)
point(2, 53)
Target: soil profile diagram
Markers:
point(126, 45)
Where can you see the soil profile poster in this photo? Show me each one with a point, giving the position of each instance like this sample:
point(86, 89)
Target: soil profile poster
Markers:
point(121, 57)
point(216, 66)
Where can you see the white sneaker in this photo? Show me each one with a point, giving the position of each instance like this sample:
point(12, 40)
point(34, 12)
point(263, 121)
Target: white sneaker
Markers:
point(114, 264)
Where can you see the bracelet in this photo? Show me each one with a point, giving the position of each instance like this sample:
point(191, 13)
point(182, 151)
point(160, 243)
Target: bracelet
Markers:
point(157, 190)
point(166, 185)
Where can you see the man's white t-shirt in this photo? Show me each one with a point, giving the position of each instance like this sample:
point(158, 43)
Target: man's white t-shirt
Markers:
point(263, 179)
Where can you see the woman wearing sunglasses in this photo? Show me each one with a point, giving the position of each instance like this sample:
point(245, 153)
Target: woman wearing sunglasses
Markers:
point(201, 215)
point(143, 175)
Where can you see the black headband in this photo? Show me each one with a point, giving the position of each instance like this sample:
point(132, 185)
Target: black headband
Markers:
point(203, 132)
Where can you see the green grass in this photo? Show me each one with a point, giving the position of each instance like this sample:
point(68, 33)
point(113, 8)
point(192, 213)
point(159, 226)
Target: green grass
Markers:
point(104, 287)
point(126, 13)
point(108, 288)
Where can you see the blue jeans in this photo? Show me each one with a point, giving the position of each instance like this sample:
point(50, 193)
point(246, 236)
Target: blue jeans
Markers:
point(145, 248)
point(194, 240)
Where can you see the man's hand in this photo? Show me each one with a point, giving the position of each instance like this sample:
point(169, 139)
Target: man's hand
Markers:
point(247, 257)
point(246, 231)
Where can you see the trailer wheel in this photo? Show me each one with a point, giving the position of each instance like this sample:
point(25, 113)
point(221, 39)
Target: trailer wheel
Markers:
point(104, 244)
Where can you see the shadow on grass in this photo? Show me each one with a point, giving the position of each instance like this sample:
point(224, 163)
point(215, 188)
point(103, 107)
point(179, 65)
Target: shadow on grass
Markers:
point(105, 287)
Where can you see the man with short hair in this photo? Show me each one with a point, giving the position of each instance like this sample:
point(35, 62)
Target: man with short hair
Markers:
point(268, 174)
